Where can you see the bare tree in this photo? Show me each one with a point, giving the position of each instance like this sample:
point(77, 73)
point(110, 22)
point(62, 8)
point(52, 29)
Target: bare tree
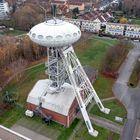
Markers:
point(17, 68)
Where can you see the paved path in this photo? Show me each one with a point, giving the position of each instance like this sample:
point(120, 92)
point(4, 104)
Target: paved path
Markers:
point(105, 123)
point(98, 120)
point(137, 130)
point(128, 96)
point(29, 133)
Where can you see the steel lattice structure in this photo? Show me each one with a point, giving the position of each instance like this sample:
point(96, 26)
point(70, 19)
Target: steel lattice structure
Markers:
point(63, 63)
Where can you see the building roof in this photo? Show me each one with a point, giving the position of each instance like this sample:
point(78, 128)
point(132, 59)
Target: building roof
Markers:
point(58, 2)
point(63, 9)
point(57, 102)
point(102, 17)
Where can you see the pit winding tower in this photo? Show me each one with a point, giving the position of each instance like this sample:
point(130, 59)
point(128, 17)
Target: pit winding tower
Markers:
point(58, 36)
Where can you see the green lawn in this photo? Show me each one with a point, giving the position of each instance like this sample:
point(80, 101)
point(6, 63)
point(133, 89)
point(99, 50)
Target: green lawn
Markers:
point(10, 117)
point(93, 51)
point(104, 134)
point(13, 33)
point(116, 110)
point(134, 78)
point(91, 54)
point(103, 86)
point(133, 81)
point(135, 21)
point(53, 131)
point(23, 87)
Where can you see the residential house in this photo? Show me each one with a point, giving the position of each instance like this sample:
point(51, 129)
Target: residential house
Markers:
point(4, 9)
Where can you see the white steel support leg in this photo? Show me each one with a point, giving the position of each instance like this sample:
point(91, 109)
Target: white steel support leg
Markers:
point(82, 86)
point(79, 99)
point(84, 76)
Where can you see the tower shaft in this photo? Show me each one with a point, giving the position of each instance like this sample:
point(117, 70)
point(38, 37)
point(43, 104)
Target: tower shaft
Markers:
point(63, 64)
point(56, 68)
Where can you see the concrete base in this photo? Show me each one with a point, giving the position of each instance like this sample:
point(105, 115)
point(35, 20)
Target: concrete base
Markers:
point(106, 110)
point(93, 133)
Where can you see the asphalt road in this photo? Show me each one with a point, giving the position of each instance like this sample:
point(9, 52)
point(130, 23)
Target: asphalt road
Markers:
point(137, 130)
point(128, 96)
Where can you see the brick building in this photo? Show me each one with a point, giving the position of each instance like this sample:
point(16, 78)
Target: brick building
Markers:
point(63, 106)
point(115, 29)
point(60, 106)
point(4, 9)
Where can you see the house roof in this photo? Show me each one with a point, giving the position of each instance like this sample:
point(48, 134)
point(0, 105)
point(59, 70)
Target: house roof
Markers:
point(63, 8)
point(58, 2)
point(59, 103)
point(102, 17)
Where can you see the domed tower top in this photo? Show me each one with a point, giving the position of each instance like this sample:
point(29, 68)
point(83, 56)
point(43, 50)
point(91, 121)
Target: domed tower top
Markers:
point(55, 33)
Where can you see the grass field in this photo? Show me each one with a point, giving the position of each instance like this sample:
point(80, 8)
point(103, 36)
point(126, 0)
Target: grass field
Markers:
point(103, 86)
point(23, 87)
point(90, 53)
point(104, 134)
point(116, 109)
point(135, 21)
point(133, 81)
point(10, 117)
point(134, 78)
point(53, 131)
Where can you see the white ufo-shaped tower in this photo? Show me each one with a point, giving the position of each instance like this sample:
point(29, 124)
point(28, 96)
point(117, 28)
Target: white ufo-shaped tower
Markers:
point(55, 33)
point(55, 98)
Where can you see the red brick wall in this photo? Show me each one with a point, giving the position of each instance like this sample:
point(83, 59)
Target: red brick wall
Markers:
point(72, 111)
point(55, 116)
point(64, 120)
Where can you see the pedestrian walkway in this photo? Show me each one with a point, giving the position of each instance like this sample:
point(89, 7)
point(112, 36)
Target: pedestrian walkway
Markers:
point(29, 133)
point(128, 96)
point(105, 123)
point(112, 126)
